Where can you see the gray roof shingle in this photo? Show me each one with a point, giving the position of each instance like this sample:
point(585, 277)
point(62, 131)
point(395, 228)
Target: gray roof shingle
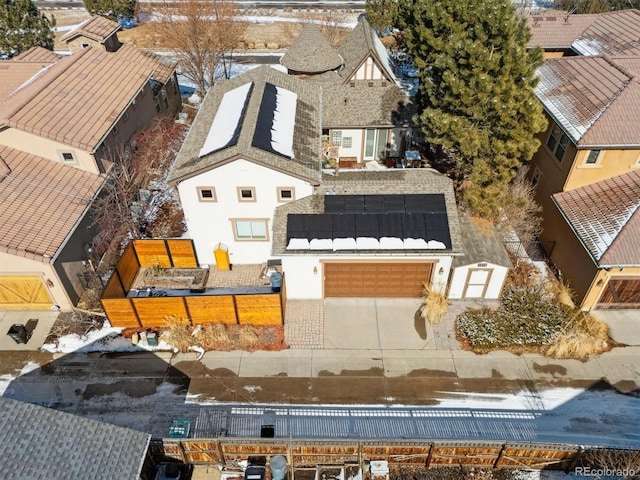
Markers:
point(306, 136)
point(311, 52)
point(481, 244)
point(38, 443)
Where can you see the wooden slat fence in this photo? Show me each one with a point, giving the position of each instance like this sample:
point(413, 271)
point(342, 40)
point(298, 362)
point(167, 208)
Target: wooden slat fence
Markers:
point(305, 455)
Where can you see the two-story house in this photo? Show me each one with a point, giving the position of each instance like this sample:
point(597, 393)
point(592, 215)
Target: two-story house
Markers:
point(67, 118)
point(366, 116)
point(591, 145)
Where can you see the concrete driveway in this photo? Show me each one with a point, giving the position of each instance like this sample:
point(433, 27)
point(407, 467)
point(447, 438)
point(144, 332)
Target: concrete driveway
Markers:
point(624, 325)
point(40, 329)
point(382, 324)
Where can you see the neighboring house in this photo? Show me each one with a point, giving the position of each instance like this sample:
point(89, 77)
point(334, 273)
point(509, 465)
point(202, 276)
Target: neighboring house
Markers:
point(44, 231)
point(592, 102)
point(62, 122)
point(600, 251)
point(482, 270)
point(366, 116)
point(611, 33)
point(81, 109)
point(95, 32)
point(369, 234)
point(39, 442)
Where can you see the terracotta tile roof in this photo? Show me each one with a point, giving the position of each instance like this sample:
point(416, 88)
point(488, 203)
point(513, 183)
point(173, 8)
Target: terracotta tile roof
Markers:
point(41, 443)
point(96, 28)
point(37, 54)
point(40, 201)
point(362, 42)
point(306, 134)
point(77, 100)
point(311, 52)
point(401, 181)
point(557, 31)
point(605, 217)
point(612, 33)
point(14, 75)
point(594, 99)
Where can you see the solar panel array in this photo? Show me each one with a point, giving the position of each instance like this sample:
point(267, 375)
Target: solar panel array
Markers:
point(375, 216)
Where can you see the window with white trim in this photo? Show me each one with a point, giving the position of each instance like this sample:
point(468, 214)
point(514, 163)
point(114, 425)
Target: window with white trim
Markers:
point(286, 194)
point(557, 142)
point(535, 178)
point(248, 230)
point(246, 194)
point(207, 194)
point(336, 138)
point(68, 157)
point(593, 158)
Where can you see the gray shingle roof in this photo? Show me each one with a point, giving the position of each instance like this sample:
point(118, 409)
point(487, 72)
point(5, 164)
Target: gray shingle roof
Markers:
point(359, 45)
point(38, 443)
point(481, 244)
point(306, 136)
point(407, 181)
point(605, 217)
point(311, 52)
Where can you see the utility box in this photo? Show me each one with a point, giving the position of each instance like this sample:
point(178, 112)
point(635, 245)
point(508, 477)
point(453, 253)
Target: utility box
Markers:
point(19, 333)
point(221, 254)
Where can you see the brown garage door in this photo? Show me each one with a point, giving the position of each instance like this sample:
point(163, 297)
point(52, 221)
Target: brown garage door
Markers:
point(23, 293)
point(375, 279)
point(621, 293)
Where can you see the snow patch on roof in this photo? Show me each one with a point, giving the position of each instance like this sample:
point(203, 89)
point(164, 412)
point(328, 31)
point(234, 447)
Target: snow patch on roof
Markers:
point(364, 243)
point(228, 120)
point(284, 120)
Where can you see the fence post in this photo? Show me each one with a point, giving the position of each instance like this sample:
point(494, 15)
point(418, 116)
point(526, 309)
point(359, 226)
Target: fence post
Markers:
point(428, 462)
point(496, 464)
point(575, 460)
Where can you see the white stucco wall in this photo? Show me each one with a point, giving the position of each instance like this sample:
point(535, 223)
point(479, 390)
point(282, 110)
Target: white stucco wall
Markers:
point(356, 143)
point(459, 279)
point(302, 282)
point(12, 265)
point(210, 223)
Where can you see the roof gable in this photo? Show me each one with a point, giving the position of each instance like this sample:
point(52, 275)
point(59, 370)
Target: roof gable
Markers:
point(96, 28)
point(361, 44)
point(41, 201)
point(605, 218)
point(280, 127)
point(594, 100)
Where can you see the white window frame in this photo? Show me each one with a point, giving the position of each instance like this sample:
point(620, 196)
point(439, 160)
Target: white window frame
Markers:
point(598, 157)
point(336, 138)
point(202, 198)
point(242, 199)
point(282, 199)
point(250, 229)
point(63, 153)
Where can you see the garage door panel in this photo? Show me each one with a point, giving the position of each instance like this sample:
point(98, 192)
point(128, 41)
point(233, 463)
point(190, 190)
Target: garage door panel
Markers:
point(375, 279)
point(621, 293)
point(23, 293)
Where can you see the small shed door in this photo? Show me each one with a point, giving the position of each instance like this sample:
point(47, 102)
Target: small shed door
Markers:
point(477, 282)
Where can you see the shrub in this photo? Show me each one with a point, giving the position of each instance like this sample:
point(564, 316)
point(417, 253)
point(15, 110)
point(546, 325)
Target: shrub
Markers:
point(434, 305)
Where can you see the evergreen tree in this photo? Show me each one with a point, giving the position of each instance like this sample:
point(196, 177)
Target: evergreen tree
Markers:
point(113, 9)
point(381, 14)
point(22, 26)
point(476, 95)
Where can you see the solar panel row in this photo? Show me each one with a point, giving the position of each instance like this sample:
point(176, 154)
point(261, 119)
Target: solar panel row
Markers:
point(411, 203)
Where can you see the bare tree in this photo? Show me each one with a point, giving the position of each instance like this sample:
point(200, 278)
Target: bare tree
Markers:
point(202, 35)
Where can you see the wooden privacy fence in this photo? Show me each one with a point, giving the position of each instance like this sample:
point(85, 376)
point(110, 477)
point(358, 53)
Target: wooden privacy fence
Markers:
point(201, 309)
point(302, 454)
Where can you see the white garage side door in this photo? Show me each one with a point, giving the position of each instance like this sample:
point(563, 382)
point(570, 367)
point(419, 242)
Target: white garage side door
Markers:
point(477, 282)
